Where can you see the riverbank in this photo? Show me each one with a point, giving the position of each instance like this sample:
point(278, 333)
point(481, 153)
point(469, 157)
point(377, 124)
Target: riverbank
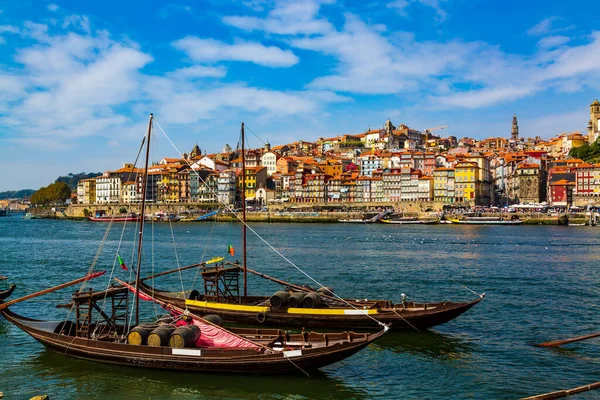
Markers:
point(326, 216)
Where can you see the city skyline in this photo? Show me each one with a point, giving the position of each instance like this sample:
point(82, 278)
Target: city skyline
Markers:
point(79, 80)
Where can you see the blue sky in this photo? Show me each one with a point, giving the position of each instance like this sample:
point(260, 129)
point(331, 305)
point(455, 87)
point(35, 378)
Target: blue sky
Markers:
point(78, 79)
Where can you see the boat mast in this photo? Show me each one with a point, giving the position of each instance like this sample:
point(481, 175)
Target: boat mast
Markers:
point(244, 214)
point(142, 217)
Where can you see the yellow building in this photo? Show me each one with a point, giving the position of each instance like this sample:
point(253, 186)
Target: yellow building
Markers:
point(256, 177)
point(466, 184)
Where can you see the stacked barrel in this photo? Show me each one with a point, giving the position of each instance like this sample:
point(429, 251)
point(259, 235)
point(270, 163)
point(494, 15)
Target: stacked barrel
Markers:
point(164, 335)
point(283, 299)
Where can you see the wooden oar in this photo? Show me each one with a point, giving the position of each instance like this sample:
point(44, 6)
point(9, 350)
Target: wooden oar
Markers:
point(556, 343)
point(52, 289)
point(564, 393)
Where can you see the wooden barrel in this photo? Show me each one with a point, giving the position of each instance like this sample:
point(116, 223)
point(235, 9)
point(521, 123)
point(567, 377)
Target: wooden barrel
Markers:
point(215, 319)
point(160, 336)
point(295, 299)
point(185, 336)
point(327, 291)
point(311, 300)
point(139, 335)
point(279, 300)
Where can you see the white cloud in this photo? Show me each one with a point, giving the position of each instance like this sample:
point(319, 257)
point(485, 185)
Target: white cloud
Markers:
point(550, 42)
point(9, 29)
point(78, 21)
point(484, 97)
point(199, 71)
point(52, 7)
point(402, 6)
point(543, 27)
point(210, 50)
point(287, 18)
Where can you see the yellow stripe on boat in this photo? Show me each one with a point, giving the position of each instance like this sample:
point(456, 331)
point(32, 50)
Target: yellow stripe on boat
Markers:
point(330, 311)
point(223, 306)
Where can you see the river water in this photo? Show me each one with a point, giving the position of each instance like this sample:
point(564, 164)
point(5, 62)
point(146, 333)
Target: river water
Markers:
point(541, 283)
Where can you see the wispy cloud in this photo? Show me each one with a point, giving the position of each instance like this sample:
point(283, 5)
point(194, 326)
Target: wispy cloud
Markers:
point(287, 18)
point(210, 50)
point(402, 7)
point(52, 7)
point(550, 42)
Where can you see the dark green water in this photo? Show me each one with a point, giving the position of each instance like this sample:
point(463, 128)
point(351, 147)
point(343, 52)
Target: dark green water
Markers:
point(542, 282)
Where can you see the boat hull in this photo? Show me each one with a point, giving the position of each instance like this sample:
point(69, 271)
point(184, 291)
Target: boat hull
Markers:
point(5, 294)
point(416, 316)
point(230, 360)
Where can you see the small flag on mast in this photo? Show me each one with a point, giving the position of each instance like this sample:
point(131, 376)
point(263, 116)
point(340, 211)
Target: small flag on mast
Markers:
point(121, 263)
point(230, 250)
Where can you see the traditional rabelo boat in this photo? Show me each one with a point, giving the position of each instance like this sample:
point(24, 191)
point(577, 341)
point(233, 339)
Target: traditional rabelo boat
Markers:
point(409, 220)
point(485, 221)
point(114, 218)
point(296, 305)
point(98, 328)
point(5, 289)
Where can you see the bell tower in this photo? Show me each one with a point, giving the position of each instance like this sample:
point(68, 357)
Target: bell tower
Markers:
point(514, 133)
point(594, 121)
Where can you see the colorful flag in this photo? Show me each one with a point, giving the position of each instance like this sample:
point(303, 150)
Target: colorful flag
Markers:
point(231, 250)
point(123, 266)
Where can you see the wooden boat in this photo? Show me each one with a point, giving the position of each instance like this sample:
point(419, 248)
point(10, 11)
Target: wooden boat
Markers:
point(164, 217)
point(5, 289)
point(100, 337)
point(486, 221)
point(98, 328)
point(206, 216)
point(226, 301)
point(108, 218)
point(408, 221)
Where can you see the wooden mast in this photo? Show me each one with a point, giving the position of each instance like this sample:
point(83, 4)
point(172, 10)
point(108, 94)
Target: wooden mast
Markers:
point(244, 214)
point(142, 217)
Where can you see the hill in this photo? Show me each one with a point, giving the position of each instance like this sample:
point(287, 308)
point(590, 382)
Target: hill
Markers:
point(16, 194)
point(72, 179)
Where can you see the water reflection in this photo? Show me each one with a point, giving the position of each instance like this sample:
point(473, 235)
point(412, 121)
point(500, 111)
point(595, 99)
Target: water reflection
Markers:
point(427, 344)
point(67, 377)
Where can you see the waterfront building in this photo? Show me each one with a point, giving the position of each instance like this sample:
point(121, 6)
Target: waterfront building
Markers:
point(483, 181)
point(129, 192)
point(465, 185)
point(256, 177)
point(208, 187)
point(226, 187)
point(314, 188)
point(211, 162)
point(269, 160)
point(286, 165)
point(587, 181)
point(443, 185)
point(528, 183)
point(409, 184)
point(334, 189)
point(86, 191)
point(108, 189)
point(561, 193)
point(425, 188)
point(392, 185)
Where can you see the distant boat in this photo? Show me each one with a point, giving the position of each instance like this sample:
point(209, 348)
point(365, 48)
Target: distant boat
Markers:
point(30, 216)
point(204, 217)
point(355, 221)
point(114, 218)
point(485, 221)
point(163, 217)
point(408, 221)
point(5, 289)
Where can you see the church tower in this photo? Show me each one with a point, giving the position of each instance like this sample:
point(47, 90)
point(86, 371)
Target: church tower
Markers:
point(514, 134)
point(594, 121)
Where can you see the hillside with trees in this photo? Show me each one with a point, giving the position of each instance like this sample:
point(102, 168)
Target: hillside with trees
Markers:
point(56, 193)
point(72, 179)
point(16, 194)
point(588, 152)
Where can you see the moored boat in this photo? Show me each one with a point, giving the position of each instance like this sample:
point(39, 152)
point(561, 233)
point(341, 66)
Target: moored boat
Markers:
point(5, 289)
point(409, 221)
point(114, 218)
point(485, 221)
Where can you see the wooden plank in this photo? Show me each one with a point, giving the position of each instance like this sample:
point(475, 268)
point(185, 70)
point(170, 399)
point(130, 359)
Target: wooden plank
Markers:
point(564, 393)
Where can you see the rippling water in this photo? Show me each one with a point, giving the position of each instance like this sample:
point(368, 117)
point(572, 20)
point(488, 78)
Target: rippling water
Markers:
point(541, 283)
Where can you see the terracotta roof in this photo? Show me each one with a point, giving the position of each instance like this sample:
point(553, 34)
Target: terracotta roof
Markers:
point(562, 182)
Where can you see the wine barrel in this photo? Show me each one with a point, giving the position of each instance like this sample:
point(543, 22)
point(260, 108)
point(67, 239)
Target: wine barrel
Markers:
point(139, 335)
point(327, 291)
point(279, 300)
point(215, 319)
point(160, 336)
point(184, 336)
point(295, 299)
point(311, 300)
point(194, 295)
